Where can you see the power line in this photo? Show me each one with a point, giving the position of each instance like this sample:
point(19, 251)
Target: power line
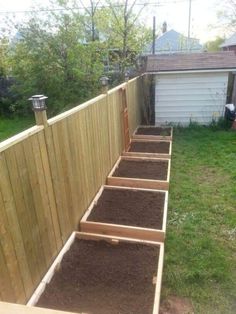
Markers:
point(155, 4)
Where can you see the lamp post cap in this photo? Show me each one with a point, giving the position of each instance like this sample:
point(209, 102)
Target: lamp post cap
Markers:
point(39, 97)
point(104, 80)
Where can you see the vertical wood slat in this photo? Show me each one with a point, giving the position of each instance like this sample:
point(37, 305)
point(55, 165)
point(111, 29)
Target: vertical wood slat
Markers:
point(24, 216)
point(48, 178)
point(22, 282)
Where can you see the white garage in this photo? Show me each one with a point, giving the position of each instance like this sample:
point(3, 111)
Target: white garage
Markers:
point(184, 97)
point(190, 87)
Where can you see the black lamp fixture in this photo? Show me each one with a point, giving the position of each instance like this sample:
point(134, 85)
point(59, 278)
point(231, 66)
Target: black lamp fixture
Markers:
point(104, 80)
point(38, 102)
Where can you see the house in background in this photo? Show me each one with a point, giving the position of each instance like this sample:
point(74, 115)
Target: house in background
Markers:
point(229, 44)
point(173, 42)
point(190, 87)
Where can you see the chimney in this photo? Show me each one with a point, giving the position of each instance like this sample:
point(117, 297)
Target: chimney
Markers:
point(164, 27)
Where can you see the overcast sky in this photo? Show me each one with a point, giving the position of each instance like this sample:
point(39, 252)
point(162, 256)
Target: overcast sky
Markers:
point(174, 12)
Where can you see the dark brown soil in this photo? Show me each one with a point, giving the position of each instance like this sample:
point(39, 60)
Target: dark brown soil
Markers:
point(145, 169)
point(154, 131)
point(99, 278)
point(150, 147)
point(129, 207)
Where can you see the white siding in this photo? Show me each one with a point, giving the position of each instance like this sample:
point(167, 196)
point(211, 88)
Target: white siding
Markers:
point(182, 97)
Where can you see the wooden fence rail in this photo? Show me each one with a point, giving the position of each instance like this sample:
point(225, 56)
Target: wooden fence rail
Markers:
point(48, 176)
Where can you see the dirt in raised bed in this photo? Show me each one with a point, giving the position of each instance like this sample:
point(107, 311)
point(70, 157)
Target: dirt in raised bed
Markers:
point(150, 147)
point(154, 131)
point(129, 207)
point(96, 277)
point(145, 169)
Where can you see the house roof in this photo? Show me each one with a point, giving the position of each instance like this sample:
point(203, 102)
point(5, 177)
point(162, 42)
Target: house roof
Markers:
point(172, 42)
point(231, 41)
point(191, 61)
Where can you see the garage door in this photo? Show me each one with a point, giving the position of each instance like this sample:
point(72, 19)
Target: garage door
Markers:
point(181, 98)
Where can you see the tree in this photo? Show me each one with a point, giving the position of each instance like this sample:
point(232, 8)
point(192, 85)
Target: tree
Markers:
point(89, 19)
point(123, 30)
point(59, 54)
point(214, 45)
point(227, 15)
point(51, 58)
point(4, 66)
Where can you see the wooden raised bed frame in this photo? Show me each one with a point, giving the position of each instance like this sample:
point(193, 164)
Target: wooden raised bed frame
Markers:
point(126, 231)
point(136, 182)
point(113, 240)
point(153, 137)
point(151, 155)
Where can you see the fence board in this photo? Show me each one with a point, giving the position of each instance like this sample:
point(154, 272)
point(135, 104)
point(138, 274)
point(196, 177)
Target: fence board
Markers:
point(24, 217)
point(24, 284)
point(49, 176)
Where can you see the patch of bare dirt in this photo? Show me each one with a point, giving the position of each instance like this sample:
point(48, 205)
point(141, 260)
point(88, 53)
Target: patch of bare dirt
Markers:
point(176, 305)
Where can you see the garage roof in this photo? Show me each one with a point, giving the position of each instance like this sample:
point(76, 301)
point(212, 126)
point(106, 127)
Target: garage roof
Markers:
point(191, 61)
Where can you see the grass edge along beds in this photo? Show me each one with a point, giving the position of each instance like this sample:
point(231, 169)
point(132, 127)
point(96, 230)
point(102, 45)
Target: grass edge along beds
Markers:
point(200, 263)
point(137, 182)
point(121, 230)
point(110, 239)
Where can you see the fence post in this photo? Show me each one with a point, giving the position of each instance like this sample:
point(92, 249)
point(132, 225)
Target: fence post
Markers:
point(39, 108)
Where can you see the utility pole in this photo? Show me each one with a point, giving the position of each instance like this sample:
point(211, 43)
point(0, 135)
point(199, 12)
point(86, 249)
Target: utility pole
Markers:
point(154, 35)
point(189, 23)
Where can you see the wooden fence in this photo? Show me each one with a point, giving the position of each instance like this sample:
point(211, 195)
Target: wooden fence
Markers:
point(48, 176)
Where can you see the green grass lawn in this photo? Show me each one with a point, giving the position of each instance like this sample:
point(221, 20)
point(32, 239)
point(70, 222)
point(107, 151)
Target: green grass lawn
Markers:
point(10, 127)
point(200, 249)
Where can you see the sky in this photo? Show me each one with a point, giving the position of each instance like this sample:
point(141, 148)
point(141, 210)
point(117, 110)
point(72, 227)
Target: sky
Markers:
point(174, 12)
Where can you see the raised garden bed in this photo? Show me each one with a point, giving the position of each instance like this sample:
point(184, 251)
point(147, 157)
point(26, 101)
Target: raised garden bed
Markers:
point(149, 148)
point(140, 172)
point(105, 275)
point(153, 133)
point(127, 212)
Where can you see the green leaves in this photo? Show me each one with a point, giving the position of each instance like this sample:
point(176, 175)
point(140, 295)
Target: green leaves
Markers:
point(62, 53)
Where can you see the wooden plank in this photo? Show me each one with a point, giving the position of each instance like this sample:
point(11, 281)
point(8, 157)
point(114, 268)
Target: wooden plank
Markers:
point(124, 230)
point(51, 195)
point(138, 183)
point(67, 165)
point(81, 155)
point(11, 308)
point(149, 155)
point(24, 216)
point(41, 200)
point(25, 284)
point(35, 245)
point(158, 281)
point(7, 290)
point(153, 137)
point(9, 268)
point(56, 182)
point(65, 220)
point(154, 141)
point(79, 176)
point(108, 238)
